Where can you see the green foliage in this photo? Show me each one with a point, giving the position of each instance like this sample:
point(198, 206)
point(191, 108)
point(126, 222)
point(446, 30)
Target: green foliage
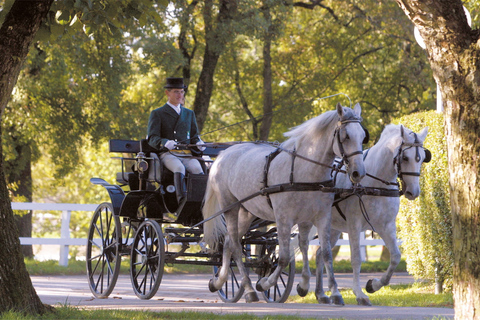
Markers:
point(67, 17)
point(425, 224)
point(74, 187)
point(365, 50)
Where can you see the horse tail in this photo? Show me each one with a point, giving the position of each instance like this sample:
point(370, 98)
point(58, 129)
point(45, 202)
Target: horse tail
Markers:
point(215, 229)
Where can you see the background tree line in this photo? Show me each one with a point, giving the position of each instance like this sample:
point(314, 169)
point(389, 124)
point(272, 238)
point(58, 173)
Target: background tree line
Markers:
point(269, 62)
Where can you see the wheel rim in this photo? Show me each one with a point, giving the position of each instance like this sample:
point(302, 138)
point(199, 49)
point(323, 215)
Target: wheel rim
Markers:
point(281, 290)
point(102, 257)
point(232, 290)
point(147, 259)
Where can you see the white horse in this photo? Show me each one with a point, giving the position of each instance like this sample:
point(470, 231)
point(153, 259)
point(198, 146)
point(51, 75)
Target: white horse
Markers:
point(398, 153)
point(302, 160)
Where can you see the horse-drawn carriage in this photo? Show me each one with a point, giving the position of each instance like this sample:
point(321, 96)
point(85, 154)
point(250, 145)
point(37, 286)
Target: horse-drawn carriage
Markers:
point(256, 194)
point(145, 221)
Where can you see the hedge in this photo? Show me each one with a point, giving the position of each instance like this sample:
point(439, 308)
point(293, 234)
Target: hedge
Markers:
point(425, 225)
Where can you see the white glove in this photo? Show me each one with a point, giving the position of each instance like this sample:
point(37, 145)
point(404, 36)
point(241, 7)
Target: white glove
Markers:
point(170, 144)
point(202, 147)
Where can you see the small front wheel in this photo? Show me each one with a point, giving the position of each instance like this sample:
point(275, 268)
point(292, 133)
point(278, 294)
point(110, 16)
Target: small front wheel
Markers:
point(102, 256)
point(232, 290)
point(280, 292)
point(147, 259)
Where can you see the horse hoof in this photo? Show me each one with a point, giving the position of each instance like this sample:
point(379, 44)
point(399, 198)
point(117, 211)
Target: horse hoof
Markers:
point(324, 300)
point(369, 286)
point(211, 287)
point(251, 297)
point(301, 292)
point(364, 302)
point(337, 300)
point(259, 285)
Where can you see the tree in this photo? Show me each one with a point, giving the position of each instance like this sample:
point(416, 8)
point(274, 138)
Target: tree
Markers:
point(16, 34)
point(19, 27)
point(453, 50)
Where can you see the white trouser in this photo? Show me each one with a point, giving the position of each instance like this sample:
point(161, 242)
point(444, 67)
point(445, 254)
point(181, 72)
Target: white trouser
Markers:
point(179, 164)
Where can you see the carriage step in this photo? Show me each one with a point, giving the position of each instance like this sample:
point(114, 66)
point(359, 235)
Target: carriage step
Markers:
point(182, 230)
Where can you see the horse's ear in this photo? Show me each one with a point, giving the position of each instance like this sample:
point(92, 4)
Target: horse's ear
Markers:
point(357, 109)
point(339, 110)
point(423, 134)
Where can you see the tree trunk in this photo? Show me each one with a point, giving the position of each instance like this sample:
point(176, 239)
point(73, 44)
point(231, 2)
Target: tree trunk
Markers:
point(454, 54)
point(16, 34)
point(267, 80)
point(216, 38)
point(23, 180)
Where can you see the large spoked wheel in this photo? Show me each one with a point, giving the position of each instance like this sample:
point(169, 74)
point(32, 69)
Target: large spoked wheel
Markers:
point(103, 258)
point(280, 292)
point(232, 290)
point(147, 259)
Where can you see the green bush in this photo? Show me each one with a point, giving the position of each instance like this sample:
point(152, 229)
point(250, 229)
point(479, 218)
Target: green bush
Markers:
point(425, 225)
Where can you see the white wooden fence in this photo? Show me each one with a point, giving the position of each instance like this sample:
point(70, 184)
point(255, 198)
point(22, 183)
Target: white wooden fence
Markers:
point(65, 241)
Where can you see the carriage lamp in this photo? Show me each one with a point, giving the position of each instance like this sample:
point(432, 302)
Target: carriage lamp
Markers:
point(142, 164)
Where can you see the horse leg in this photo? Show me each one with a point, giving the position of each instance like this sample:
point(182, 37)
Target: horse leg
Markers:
point(320, 294)
point(245, 219)
point(232, 247)
point(303, 243)
point(283, 235)
point(325, 250)
point(356, 261)
point(217, 282)
point(389, 236)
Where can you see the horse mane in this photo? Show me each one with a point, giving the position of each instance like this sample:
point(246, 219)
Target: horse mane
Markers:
point(394, 130)
point(315, 127)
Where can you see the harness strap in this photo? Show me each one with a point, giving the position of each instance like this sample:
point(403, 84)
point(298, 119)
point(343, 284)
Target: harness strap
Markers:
point(359, 192)
point(269, 158)
point(326, 186)
point(293, 165)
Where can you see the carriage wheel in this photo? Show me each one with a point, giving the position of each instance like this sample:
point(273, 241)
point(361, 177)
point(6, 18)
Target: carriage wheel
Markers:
point(232, 290)
point(103, 258)
point(280, 292)
point(147, 259)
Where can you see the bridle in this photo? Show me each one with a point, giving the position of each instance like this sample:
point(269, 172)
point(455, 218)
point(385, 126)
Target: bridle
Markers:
point(341, 125)
point(397, 160)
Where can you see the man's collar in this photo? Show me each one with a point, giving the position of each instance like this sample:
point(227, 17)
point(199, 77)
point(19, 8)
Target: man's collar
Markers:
point(176, 108)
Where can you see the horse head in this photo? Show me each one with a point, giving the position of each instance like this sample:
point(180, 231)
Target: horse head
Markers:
point(409, 159)
point(349, 136)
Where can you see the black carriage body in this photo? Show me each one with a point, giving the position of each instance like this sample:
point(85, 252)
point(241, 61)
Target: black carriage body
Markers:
point(150, 194)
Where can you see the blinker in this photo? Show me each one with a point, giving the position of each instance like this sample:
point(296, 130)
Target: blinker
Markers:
point(428, 156)
point(367, 136)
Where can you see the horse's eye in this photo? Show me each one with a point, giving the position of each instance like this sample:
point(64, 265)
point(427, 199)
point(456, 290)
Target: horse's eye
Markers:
point(405, 158)
point(347, 137)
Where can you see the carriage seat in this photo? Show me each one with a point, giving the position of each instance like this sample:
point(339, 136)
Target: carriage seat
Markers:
point(157, 172)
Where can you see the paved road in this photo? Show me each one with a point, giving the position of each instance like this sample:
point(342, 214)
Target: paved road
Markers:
point(189, 293)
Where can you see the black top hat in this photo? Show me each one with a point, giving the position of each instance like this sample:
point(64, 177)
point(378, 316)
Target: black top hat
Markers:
point(175, 83)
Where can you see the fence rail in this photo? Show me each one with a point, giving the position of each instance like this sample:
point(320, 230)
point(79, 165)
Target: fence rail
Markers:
point(65, 240)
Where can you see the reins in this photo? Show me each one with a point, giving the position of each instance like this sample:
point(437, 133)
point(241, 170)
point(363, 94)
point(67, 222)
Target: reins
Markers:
point(324, 186)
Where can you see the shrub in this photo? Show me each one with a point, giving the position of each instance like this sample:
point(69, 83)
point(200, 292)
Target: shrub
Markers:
point(425, 225)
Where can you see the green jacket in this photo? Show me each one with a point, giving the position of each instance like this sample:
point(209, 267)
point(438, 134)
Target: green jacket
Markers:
point(165, 124)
